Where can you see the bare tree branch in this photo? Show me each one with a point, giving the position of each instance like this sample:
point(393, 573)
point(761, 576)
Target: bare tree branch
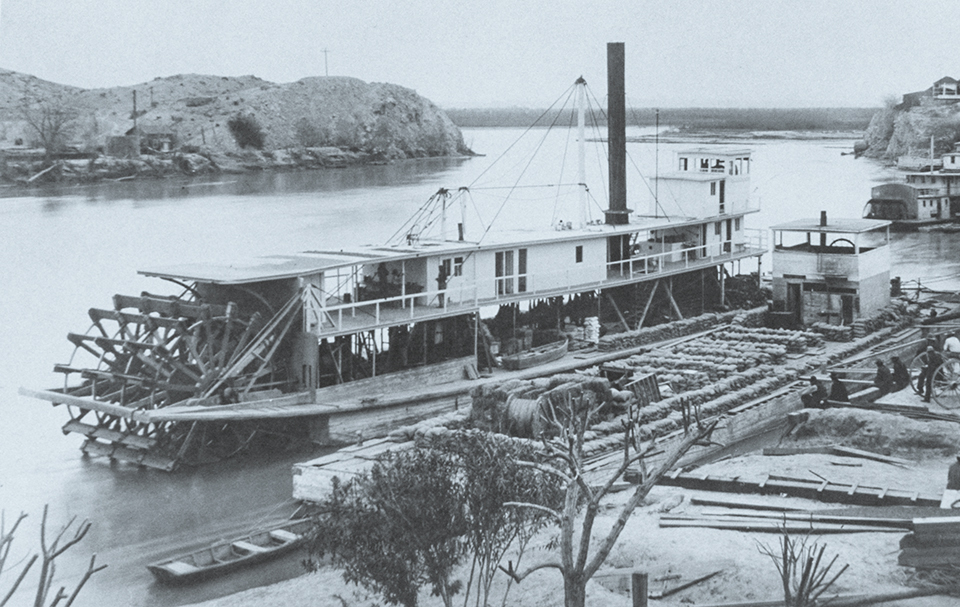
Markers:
point(519, 577)
point(551, 513)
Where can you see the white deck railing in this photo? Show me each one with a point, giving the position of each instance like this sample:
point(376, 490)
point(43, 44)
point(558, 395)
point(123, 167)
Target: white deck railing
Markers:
point(339, 317)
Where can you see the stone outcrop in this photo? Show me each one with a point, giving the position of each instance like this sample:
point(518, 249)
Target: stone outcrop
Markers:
point(897, 132)
point(184, 119)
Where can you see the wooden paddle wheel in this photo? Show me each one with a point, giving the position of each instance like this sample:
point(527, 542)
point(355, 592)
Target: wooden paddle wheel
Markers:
point(152, 353)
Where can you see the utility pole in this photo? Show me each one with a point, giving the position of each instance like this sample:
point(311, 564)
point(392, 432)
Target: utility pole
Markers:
point(326, 69)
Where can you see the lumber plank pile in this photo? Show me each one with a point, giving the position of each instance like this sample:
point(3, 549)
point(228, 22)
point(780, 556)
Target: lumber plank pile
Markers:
point(823, 491)
point(934, 543)
point(778, 522)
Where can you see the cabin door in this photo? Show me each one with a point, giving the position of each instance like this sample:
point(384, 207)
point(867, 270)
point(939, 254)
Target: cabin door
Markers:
point(846, 309)
point(727, 241)
point(795, 302)
point(618, 250)
point(723, 198)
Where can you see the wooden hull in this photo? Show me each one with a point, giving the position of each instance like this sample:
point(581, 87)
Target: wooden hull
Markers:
point(223, 557)
point(538, 356)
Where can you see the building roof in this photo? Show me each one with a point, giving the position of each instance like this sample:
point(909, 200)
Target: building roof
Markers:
point(716, 152)
point(945, 79)
point(280, 267)
point(834, 226)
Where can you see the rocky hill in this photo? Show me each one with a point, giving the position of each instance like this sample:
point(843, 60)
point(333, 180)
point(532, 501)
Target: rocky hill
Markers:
point(898, 131)
point(314, 121)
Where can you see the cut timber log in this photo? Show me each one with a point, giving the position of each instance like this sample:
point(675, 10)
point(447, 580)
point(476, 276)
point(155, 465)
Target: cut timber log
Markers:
point(772, 526)
point(751, 505)
point(775, 451)
point(849, 452)
point(818, 490)
point(837, 450)
point(935, 526)
point(675, 589)
point(806, 516)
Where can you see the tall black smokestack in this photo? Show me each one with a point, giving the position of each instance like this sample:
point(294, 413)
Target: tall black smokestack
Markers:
point(618, 213)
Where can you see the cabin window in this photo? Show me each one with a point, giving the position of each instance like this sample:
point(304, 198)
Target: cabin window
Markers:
point(505, 272)
point(717, 228)
point(737, 225)
point(522, 270)
point(580, 253)
point(446, 267)
point(458, 266)
point(683, 164)
point(704, 164)
point(713, 188)
point(504, 262)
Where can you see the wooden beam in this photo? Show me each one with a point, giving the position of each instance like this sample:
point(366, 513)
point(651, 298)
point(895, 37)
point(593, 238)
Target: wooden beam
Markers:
point(58, 398)
point(643, 316)
point(616, 309)
point(673, 301)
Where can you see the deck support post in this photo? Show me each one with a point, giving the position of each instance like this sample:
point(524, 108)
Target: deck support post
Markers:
point(643, 316)
point(723, 288)
point(476, 336)
point(673, 302)
point(616, 309)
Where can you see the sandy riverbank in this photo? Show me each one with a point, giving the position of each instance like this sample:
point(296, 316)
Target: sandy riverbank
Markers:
point(689, 552)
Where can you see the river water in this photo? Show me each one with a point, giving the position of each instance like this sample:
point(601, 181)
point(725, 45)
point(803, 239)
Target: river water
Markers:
point(64, 250)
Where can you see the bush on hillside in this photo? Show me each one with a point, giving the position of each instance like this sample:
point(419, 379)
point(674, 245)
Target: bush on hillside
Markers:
point(246, 131)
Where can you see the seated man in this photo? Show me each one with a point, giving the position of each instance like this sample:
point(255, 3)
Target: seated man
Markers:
point(815, 398)
point(883, 381)
point(901, 375)
point(838, 392)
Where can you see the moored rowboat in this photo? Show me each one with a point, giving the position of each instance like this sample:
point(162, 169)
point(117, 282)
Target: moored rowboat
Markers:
point(261, 545)
point(535, 356)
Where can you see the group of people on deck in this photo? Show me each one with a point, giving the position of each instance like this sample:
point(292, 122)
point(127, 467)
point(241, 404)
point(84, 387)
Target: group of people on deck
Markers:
point(893, 378)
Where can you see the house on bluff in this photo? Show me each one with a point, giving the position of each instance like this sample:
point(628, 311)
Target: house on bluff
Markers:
point(830, 272)
point(945, 90)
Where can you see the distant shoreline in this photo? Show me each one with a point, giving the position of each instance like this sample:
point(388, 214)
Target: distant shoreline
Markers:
point(706, 136)
point(700, 119)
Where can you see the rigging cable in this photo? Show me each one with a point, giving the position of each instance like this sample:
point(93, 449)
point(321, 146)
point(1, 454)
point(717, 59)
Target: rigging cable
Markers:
point(539, 145)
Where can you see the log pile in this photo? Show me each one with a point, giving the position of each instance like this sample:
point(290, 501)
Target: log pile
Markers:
point(680, 328)
point(934, 544)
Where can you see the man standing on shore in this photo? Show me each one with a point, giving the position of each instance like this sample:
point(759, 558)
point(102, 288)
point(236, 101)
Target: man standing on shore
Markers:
point(931, 362)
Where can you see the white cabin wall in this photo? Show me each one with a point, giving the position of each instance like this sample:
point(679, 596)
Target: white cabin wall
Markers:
point(459, 288)
point(554, 265)
point(683, 197)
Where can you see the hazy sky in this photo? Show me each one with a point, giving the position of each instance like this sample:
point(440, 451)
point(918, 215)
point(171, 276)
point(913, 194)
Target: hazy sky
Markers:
point(680, 53)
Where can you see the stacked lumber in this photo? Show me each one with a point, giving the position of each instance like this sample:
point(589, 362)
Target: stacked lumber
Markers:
point(824, 491)
point(934, 543)
point(778, 522)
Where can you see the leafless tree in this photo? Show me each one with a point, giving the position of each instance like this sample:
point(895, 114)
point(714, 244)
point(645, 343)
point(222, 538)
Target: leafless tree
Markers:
point(49, 552)
point(52, 121)
point(571, 411)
